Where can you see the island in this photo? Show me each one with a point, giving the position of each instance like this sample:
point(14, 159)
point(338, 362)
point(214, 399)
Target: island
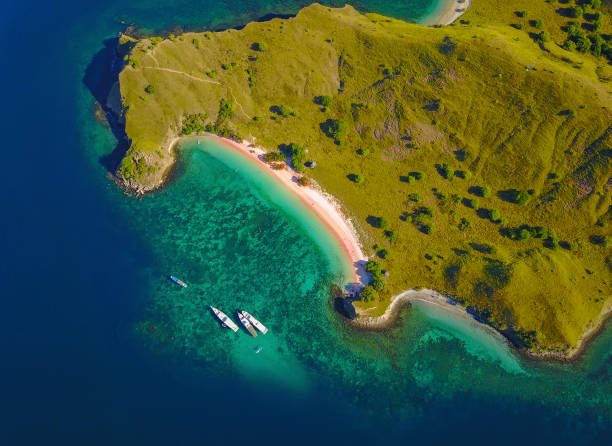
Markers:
point(472, 159)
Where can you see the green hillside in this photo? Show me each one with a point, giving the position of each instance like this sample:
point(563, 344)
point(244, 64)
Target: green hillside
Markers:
point(484, 146)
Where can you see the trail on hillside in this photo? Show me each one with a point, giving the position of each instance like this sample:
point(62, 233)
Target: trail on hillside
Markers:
point(170, 70)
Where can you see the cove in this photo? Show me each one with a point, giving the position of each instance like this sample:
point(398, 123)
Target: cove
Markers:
point(266, 187)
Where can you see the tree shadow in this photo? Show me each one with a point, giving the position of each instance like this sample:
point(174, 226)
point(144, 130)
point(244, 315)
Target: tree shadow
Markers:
point(508, 195)
point(484, 213)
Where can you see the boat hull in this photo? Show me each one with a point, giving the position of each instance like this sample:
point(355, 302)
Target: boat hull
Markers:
point(261, 327)
point(245, 322)
point(224, 319)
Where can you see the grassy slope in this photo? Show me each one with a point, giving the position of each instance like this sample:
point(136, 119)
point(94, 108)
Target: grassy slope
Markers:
point(505, 116)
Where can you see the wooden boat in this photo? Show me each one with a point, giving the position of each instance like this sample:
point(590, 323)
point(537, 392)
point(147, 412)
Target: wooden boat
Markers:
point(258, 325)
point(244, 321)
point(178, 281)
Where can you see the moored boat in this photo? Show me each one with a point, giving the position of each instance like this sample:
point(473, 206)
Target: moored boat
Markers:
point(244, 321)
point(258, 325)
point(225, 320)
point(178, 281)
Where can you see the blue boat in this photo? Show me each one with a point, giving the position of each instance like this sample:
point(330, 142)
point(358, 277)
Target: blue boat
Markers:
point(178, 281)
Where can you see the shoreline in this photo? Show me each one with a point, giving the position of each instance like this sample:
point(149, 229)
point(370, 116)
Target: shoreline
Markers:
point(426, 295)
point(450, 13)
point(328, 211)
point(321, 204)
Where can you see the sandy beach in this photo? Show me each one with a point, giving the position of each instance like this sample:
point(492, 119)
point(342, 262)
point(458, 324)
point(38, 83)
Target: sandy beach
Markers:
point(320, 203)
point(450, 13)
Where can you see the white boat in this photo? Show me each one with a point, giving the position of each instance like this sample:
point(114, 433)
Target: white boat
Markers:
point(258, 325)
point(226, 321)
point(247, 324)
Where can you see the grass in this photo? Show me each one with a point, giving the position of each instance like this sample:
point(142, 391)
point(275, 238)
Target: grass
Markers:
point(422, 116)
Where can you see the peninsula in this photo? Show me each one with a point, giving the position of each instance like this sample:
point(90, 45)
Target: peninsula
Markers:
point(472, 159)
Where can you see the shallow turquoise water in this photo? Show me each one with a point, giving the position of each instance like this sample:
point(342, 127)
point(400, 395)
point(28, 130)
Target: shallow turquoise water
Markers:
point(99, 347)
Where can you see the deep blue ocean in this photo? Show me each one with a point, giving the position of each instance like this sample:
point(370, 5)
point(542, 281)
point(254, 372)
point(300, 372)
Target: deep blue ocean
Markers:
point(97, 347)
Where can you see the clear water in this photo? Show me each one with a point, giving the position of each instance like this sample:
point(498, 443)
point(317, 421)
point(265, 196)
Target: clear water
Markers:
point(98, 347)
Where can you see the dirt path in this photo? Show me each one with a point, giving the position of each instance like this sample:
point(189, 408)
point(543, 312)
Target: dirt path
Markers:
point(195, 78)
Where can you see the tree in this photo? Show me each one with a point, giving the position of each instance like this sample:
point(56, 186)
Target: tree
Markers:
point(297, 154)
point(260, 46)
point(325, 101)
point(336, 128)
point(226, 111)
point(575, 12)
point(447, 172)
point(304, 181)
point(379, 284)
point(383, 253)
point(522, 197)
point(464, 224)
point(418, 175)
point(426, 228)
point(544, 36)
point(601, 240)
point(569, 45)
point(474, 203)
point(150, 89)
point(392, 236)
point(481, 191)
point(383, 223)
point(374, 268)
point(356, 178)
point(583, 44)
point(596, 44)
point(494, 215)
point(539, 24)
point(368, 294)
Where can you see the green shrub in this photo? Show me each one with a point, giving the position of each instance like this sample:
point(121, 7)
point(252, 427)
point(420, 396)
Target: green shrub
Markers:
point(464, 174)
point(418, 175)
point(356, 178)
point(447, 172)
point(150, 89)
point(392, 236)
point(260, 46)
point(601, 240)
point(368, 294)
point(378, 284)
point(272, 157)
point(465, 224)
point(226, 111)
point(481, 191)
point(212, 74)
point(473, 203)
point(195, 123)
point(544, 37)
point(297, 155)
point(336, 129)
point(575, 12)
point(325, 101)
point(304, 181)
point(414, 197)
